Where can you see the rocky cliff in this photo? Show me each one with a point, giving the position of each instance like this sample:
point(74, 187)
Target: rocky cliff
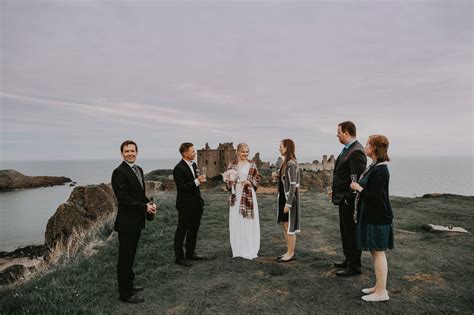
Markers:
point(11, 179)
point(85, 206)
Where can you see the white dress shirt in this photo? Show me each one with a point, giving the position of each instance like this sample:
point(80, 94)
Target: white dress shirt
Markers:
point(190, 164)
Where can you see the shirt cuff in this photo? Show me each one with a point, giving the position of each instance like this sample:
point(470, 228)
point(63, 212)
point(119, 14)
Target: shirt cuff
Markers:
point(288, 205)
point(196, 181)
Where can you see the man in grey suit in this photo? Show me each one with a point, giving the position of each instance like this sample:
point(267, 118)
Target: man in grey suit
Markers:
point(351, 162)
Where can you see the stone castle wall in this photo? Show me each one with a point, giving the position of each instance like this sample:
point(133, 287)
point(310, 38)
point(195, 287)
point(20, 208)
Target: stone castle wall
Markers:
point(216, 160)
point(316, 166)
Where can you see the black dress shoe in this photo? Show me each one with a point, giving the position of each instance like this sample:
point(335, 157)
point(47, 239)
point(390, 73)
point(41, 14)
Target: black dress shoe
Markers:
point(340, 264)
point(281, 260)
point(183, 262)
point(132, 299)
point(196, 257)
point(348, 272)
point(137, 288)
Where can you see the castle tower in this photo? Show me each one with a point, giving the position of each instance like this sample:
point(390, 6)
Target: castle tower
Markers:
point(216, 160)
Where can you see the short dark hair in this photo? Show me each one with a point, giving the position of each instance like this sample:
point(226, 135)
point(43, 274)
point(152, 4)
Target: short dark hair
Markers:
point(128, 142)
point(185, 147)
point(348, 126)
point(379, 145)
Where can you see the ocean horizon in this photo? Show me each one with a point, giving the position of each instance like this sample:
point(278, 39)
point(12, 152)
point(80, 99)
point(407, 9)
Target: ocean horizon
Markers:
point(25, 213)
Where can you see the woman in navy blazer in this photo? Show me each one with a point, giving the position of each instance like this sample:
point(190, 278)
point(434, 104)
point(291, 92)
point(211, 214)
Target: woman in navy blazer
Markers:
point(374, 214)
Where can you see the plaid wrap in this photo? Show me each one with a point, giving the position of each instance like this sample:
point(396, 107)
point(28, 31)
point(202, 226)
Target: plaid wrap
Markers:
point(246, 202)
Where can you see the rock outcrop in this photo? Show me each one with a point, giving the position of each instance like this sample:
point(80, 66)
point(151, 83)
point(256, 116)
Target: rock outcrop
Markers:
point(13, 273)
point(11, 179)
point(85, 206)
point(152, 188)
point(29, 251)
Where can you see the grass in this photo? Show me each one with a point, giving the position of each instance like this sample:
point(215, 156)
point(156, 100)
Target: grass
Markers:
point(428, 273)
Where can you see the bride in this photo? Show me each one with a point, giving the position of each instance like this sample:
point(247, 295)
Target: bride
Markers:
point(242, 179)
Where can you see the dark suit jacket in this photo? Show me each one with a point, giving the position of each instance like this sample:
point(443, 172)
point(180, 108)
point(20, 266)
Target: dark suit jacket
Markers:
point(132, 201)
point(188, 196)
point(351, 161)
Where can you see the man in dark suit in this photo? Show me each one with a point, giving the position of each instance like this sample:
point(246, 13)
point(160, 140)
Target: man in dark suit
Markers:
point(133, 205)
point(189, 205)
point(351, 161)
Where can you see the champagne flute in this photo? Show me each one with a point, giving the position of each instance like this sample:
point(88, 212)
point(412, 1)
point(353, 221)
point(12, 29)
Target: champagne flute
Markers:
point(204, 170)
point(274, 175)
point(354, 180)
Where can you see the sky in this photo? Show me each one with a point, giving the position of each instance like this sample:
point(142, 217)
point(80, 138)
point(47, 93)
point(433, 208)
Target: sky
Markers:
point(79, 77)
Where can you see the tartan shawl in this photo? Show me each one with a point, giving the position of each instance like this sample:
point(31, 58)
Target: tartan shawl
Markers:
point(246, 202)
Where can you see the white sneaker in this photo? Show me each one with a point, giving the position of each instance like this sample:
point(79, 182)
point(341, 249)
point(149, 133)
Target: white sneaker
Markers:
point(376, 298)
point(368, 290)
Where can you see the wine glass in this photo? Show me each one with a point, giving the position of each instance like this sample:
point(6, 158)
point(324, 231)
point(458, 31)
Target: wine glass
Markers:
point(354, 180)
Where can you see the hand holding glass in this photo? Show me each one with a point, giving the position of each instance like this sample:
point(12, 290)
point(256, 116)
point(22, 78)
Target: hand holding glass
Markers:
point(274, 177)
point(354, 180)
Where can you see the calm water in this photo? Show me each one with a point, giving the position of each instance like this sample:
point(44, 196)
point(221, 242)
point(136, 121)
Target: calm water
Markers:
point(24, 213)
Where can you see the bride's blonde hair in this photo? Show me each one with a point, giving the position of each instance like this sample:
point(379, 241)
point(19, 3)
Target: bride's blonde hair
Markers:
point(240, 146)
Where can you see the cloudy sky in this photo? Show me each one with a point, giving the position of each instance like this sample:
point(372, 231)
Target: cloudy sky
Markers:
point(78, 77)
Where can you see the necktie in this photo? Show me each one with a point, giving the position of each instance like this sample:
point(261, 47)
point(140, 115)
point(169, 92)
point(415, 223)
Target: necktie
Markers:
point(138, 174)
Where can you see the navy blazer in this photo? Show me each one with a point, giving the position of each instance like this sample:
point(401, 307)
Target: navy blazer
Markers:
point(132, 201)
point(351, 161)
point(188, 195)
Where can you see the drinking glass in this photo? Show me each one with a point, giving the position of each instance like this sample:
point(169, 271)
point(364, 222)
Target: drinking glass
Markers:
point(354, 180)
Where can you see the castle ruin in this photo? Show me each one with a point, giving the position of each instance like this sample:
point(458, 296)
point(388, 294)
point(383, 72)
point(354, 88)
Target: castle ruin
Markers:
point(316, 166)
point(216, 160)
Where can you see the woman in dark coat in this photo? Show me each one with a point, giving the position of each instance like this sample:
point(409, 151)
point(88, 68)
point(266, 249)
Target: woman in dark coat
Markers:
point(288, 211)
point(374, 214)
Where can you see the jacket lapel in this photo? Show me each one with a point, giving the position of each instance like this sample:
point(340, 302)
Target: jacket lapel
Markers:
point(343, 154)
point(186, 168)
point(130, 173)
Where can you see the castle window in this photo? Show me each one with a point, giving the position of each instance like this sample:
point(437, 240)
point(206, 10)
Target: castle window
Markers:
point(215, 162)
point(207, 162)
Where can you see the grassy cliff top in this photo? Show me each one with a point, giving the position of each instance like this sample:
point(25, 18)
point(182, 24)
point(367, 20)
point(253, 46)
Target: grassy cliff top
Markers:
point(428, 272)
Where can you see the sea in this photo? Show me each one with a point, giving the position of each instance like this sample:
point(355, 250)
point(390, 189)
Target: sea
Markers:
point(24, 213)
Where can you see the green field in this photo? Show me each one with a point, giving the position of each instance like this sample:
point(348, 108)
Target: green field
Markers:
point(428, 272)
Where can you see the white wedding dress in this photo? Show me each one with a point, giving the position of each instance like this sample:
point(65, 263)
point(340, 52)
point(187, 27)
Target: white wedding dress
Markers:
point(244, 232)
